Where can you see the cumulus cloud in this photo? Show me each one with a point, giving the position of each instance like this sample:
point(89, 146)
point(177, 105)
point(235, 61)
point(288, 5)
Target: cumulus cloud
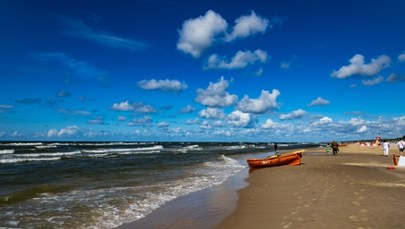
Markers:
point(198, 34)
point(401, 57)
point(269, 124)
point(248, 25)
point(215, 95)
point(265, 102)
point(164, 85)
point(187, 109)
point(163, 124)
point(136, 107)
point(322, 121)
point(123, 106)
point(77, 28)
point(68, 131)
point(240, 60)
point(373, 82)
point(210, 112)
point(293, 115)
point(358, 66)
point(319, 102)
point(239, 119)
point(98, 120)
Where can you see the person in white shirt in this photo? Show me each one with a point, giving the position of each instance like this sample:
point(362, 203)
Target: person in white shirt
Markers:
point(401, 146)
point(386, 147)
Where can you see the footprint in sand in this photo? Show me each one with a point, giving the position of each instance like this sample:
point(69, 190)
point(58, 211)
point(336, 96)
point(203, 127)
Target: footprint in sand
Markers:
point(356, 203)
point(286, 224)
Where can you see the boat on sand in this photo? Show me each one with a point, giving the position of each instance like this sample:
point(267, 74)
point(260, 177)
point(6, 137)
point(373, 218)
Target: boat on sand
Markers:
point(292, 158)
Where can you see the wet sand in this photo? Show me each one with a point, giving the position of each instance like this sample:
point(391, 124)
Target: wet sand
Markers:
point(352, 190)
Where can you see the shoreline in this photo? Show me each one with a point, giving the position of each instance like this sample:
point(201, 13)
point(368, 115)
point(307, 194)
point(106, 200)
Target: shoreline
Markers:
point(198, 210)
point(344, 191)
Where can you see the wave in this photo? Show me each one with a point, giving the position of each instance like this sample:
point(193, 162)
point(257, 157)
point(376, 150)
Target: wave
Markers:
point(116, 150)
point(46, 146)
point(17, 160)
point(56, 154)
point(23, 144)
point(7, 151)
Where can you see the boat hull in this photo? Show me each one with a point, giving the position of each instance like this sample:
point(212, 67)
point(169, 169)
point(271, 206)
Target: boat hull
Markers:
point(293, 158)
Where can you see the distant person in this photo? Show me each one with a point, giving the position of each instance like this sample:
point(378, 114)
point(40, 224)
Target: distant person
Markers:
point(401, 146)
point(335, 147)
point(275, 147)
point(386, 147)
point(378, 140)
point(328, 149)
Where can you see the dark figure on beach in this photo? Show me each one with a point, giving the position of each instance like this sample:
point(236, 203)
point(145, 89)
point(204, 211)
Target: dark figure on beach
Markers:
point(335, 147)
point(275, 147)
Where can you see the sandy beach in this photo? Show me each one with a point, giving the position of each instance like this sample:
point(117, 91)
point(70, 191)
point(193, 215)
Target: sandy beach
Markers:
point(352, 190)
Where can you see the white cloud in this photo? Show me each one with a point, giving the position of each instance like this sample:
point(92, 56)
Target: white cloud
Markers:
point(269, 124)
point(98, 120)
point(319, 102)
point(293, 115)
point(123, 106)
point(265, 102)
point(401, 57)
point(136, 107)
point(165, 85)
point(215, 95)
point(373, 82)
point(248, 25)
point(163, 124)
point(187, 109)
point(240, 60)
point(358, 67)
point(198, 34)
point(323, 121)
point(76, 28)
point(212, 113)
point(64, 132)
point(239, 118)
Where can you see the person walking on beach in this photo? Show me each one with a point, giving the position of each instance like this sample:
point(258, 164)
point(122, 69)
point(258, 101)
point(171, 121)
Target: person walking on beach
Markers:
point(328, 149)
point(401, 146)
point(335, 147)
point(275, 147)
point(386, 147)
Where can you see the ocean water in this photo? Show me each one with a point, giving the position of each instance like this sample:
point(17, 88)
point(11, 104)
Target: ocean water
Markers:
point(105, 184)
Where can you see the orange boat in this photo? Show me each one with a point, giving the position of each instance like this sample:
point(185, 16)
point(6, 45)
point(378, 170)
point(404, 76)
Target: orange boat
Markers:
point(293, 158)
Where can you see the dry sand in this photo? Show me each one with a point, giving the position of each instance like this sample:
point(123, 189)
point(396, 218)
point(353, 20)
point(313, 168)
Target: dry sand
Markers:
point(352, 190)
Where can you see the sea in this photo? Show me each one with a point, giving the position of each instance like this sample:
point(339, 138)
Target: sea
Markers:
point(106, 184)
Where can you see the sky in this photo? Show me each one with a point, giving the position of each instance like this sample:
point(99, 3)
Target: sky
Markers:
point(207, 70)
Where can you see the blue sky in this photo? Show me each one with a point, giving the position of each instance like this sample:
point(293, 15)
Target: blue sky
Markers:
point(155, 70)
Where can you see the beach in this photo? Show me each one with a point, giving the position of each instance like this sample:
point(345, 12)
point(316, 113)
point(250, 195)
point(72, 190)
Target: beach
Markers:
point(352, 190)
